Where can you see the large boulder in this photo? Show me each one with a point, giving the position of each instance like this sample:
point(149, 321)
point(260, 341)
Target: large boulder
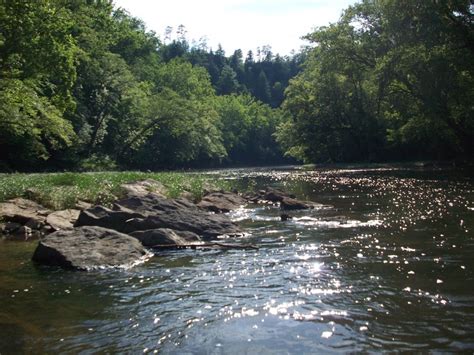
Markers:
point(165, 236)
point(89, 248)
point(221, 202)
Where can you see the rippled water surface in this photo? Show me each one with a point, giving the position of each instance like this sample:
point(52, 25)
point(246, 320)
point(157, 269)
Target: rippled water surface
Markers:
point(386, 262)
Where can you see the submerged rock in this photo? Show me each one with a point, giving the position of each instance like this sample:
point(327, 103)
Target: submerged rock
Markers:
point(268, 195)
point(221, 202)
point(88, 248)
point(287, 201)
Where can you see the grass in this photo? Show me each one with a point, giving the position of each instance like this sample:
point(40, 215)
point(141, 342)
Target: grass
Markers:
point(63, 190)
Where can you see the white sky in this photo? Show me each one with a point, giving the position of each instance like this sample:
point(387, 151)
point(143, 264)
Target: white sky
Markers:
point(244, 24)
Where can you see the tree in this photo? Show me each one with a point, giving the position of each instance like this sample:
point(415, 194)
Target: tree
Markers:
point(262, 89)
point(227, 82)
point(37, 72)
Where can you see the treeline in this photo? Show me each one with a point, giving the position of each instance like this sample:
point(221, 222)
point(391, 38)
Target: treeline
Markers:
point(84, 86)
point(261, 74)
point(392, 79)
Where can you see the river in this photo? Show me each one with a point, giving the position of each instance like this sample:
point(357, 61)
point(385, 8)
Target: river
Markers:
point(385, 263)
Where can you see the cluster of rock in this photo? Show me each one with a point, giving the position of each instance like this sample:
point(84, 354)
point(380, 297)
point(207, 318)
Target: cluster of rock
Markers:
point(98, 236)
point(25, 219)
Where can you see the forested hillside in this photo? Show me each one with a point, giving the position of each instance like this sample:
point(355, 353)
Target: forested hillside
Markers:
point(84, 86)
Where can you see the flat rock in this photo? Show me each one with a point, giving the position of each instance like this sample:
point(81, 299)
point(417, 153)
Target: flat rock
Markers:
point(64, 219)
point(164, 236)
point(144, 187)
point(89, 248)
point(20, 210)
point(221, 202)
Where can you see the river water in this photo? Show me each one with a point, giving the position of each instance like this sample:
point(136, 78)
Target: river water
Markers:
point(385, 263)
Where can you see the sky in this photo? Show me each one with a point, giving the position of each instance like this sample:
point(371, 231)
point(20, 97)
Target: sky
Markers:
point(239, 24)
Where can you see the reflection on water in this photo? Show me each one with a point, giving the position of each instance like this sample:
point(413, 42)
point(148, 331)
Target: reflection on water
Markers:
point(384, 263)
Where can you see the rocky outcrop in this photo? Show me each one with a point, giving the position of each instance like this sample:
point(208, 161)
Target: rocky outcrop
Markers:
point(155, 212)
point(89, 248)
point(102, 237)
point(221, 202)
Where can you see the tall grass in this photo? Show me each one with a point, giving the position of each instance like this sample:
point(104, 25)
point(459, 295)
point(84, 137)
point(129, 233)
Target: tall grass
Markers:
point(64, 190)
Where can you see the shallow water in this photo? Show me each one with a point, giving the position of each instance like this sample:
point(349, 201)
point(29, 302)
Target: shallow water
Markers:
point(385, 263)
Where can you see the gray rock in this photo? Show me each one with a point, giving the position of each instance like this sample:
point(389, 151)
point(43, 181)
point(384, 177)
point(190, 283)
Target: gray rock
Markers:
point(151, 203)
point(144, 187)
point(269, 194)
point(164, 236)
point(104, 217)
point(202, 223)
point(154, 212)
point(64, 219)
point(20, 210)
point(221, 202)
point(89, 248)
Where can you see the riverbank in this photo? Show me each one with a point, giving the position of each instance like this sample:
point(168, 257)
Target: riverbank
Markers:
point(64, 190)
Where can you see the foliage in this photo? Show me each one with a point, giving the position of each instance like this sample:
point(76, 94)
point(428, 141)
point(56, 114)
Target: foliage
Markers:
point(391, 79)
point(85, 86)
point(248, 126)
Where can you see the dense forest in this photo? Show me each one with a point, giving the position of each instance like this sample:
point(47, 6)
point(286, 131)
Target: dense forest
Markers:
point(86, 86)
point(391, 80)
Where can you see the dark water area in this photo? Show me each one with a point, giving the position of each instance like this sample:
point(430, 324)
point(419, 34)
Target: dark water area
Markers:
point(384, 263)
